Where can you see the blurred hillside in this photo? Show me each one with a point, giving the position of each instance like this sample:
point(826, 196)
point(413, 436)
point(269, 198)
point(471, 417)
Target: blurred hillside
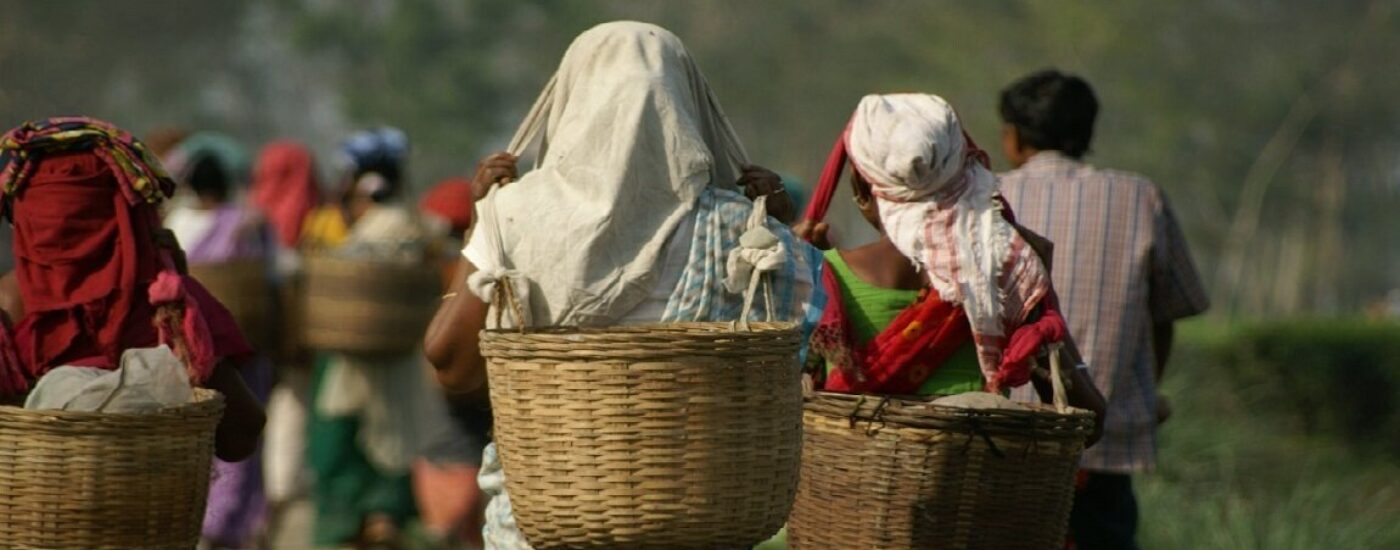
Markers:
point(1272, 124)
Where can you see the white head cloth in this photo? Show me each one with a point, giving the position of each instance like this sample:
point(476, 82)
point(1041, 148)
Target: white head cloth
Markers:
point(938, 207)
point(629, 135)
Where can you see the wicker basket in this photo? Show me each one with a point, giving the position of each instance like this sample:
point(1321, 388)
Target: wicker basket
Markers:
point(661, 436)
point(902, 474)
point(363, 306)
point(98, 480)
point(242, 286)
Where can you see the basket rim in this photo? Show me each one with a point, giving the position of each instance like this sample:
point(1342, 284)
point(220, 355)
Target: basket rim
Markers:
point(719, 328)
point(330, 258)
point(916, 404)
point(204, 398)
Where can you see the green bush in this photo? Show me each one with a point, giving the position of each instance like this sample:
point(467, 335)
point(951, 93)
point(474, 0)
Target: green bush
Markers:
point(1283, 437)
point(1334, 378)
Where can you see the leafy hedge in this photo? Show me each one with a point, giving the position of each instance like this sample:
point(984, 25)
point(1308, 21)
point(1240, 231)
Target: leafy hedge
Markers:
point(1338, 378)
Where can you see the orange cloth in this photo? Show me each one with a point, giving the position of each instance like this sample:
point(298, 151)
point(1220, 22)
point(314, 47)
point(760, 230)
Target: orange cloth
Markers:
point(449, 501)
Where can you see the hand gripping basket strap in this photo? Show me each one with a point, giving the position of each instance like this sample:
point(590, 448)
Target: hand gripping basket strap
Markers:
point(497, 285)
point(500, 287)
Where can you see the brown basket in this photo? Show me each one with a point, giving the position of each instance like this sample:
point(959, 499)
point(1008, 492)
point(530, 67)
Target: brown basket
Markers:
point(660, 436)
point(243, 287)
point(106, 481)
point(893, 473)
point(364, 306)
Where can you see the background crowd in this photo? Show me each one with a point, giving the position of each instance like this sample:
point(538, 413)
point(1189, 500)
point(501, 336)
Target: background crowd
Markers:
point(1278, 150)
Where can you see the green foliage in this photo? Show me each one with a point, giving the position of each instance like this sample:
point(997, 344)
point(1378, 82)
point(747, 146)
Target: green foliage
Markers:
point(1324, 376)
point(1240, 467)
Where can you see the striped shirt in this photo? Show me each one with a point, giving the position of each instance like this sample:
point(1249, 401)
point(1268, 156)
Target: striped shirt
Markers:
point(1120, 265)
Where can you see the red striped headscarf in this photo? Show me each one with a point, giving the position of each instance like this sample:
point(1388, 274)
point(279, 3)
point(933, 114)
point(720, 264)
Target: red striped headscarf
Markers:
point(939, 206)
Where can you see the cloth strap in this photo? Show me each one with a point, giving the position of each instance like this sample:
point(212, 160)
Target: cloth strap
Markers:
point(760, 253)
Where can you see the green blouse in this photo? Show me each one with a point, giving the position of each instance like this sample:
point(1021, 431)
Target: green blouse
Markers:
point(869, 309)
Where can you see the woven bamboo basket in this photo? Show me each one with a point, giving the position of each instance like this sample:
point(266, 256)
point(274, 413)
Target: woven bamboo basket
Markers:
point(892, 473)
point(242, 286)
point(661, 436)
point(106, 481)
point(363, 306)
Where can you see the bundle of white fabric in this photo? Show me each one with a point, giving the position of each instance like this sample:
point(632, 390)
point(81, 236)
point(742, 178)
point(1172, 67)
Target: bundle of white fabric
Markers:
point(148, 379)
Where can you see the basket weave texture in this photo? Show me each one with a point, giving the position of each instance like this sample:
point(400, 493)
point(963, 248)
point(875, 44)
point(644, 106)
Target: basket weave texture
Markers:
point(884, 473)
point(363, 306)
point(668, 436)
point(242, 286)
point(106, 481)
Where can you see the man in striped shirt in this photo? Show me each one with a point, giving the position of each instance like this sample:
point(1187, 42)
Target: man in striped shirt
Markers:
point(1123, 273)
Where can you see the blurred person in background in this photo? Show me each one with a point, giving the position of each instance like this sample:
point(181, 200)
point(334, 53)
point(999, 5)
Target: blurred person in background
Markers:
point(1124, 274)
point(285, 190)
point(371, 416)
point(444, 479)
point(214, 229)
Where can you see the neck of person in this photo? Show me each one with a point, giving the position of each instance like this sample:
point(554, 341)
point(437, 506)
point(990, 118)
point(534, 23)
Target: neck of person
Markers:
point(882, 264)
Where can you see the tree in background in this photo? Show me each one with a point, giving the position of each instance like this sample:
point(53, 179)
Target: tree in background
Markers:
point(1271, 123)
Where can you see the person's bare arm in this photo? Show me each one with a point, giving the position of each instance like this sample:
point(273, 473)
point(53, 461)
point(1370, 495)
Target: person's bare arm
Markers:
point(452, 343)
point(236, 437)
point(10, 302)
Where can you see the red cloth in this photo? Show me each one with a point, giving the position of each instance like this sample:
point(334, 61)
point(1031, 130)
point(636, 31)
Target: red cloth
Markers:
point(899, 359)
point(86, 260)
point(450, 200)
point(285, 189)
point(1025, 342)
point(829, 180)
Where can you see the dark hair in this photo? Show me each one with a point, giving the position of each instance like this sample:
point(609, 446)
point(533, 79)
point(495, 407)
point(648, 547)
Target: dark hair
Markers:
point(1051, 111)
point(208, 178)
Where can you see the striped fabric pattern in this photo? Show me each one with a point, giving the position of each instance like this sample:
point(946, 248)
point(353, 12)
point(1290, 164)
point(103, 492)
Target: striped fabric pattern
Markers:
point(721, 217)
point(1120, 264)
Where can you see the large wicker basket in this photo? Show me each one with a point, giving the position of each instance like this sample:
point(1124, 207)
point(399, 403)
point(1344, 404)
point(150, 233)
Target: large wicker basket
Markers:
point(243, 287)
point(106, 481)
point(903, 474)
point(662, 436)
point(364, 306)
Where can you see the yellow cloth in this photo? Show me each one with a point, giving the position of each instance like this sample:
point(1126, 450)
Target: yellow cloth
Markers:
point(325, 227)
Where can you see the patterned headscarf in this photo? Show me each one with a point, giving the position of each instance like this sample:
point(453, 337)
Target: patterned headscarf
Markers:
point(82, 195)
point(137, 170)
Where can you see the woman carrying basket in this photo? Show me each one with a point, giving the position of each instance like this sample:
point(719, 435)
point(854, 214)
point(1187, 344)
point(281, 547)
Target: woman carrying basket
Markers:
point(953, 297)
point(96, 275)
point(629, 216)
point(371, 413)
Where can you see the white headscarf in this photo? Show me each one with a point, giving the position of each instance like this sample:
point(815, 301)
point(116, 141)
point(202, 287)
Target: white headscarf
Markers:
point(937, 204)
point(631, 136)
